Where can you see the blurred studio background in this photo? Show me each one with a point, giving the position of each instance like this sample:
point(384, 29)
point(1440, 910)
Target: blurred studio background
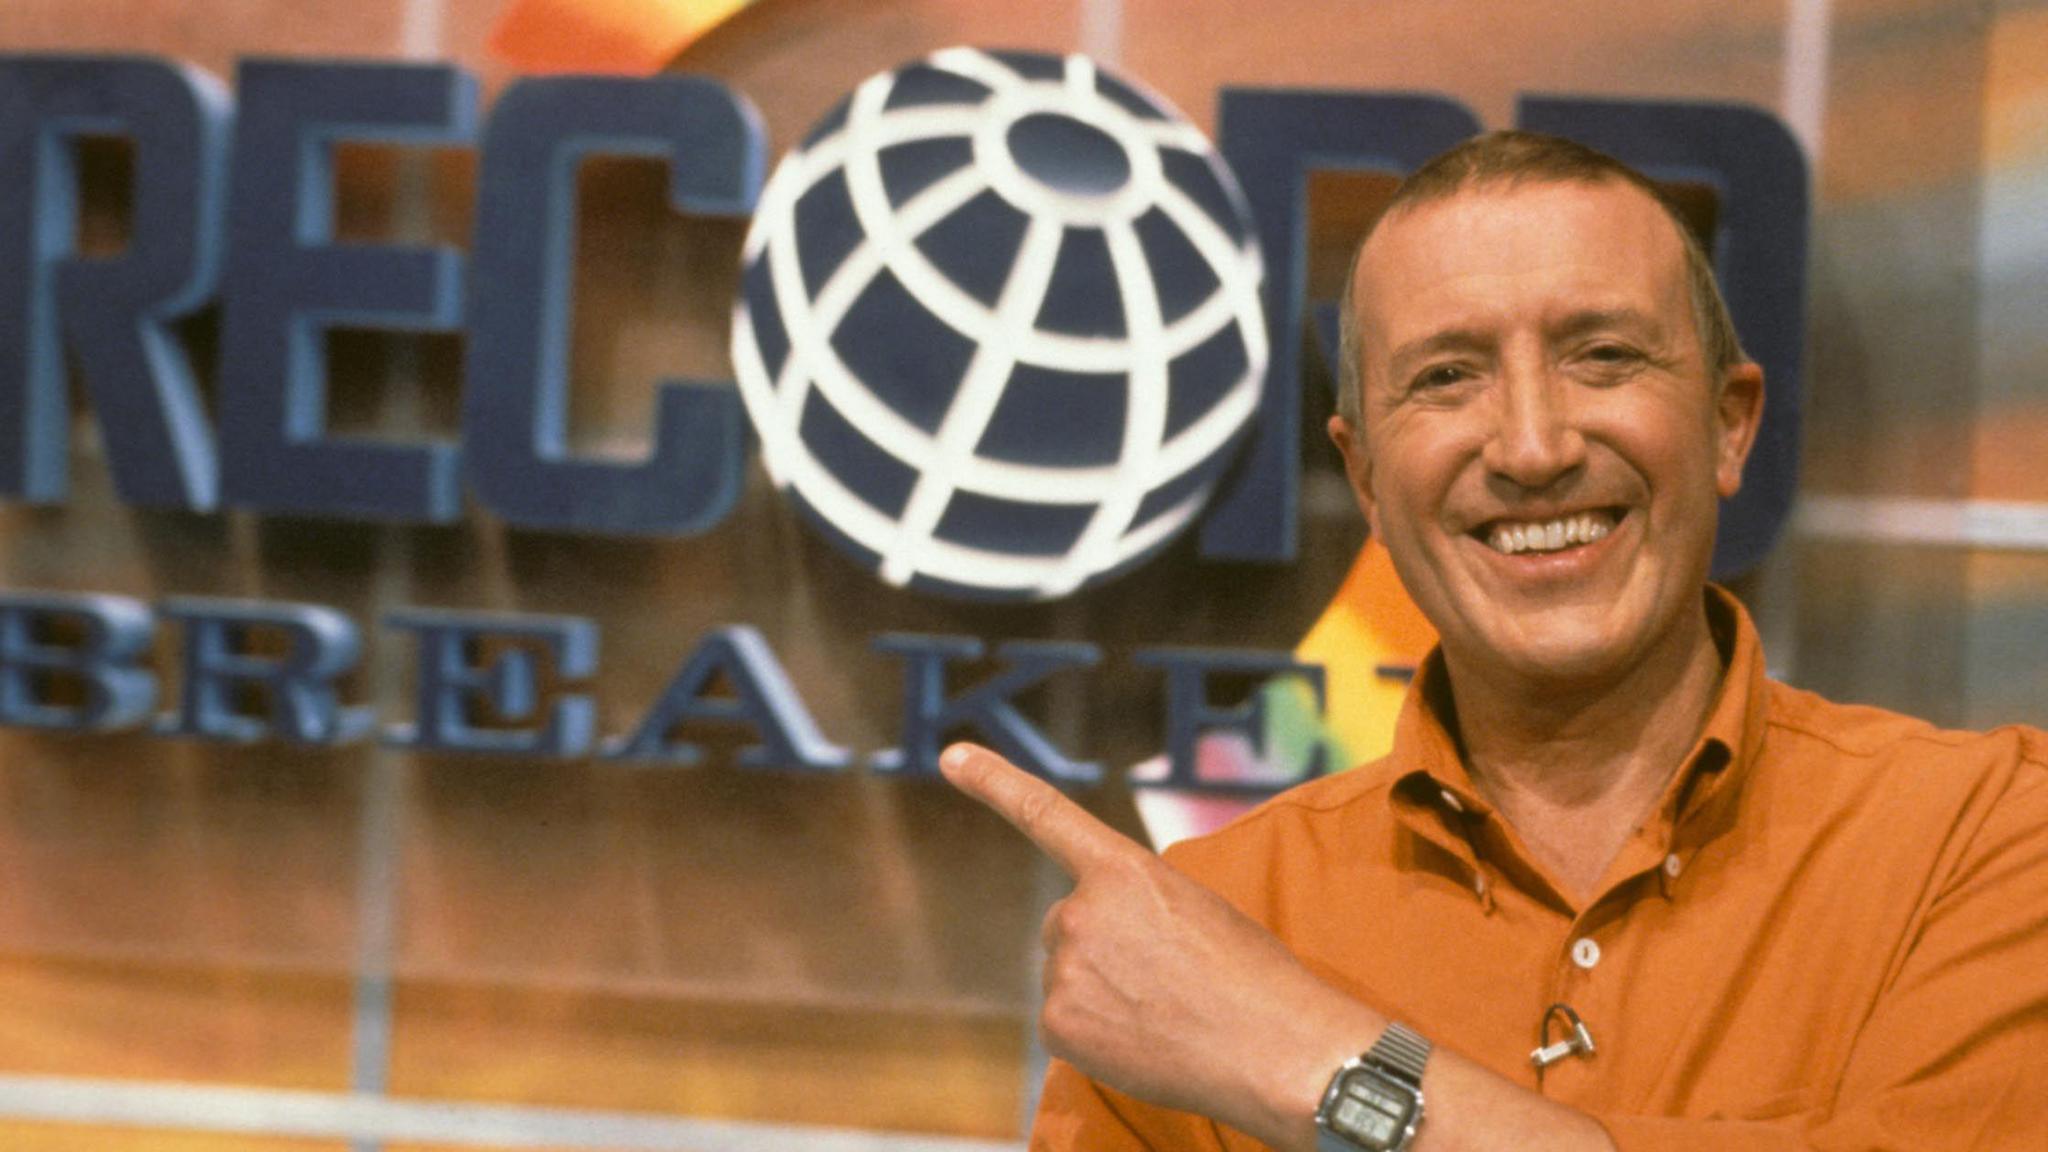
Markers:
point(259, 946)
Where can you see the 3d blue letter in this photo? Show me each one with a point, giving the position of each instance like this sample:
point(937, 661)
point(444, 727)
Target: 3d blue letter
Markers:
point(1273, 140)
point(111, 313)
point(111, 632)
point(452, 686)
point(287, 283)
point(988, 707)
point(762, 699)
point(300, 703)
point(515, 412)
point(1190, 715)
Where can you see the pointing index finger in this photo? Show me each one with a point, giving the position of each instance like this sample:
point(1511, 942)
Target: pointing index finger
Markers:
point(1062, 829)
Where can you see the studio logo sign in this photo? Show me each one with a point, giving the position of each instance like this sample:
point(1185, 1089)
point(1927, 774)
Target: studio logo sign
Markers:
point(996, 332)
point(1007, 325)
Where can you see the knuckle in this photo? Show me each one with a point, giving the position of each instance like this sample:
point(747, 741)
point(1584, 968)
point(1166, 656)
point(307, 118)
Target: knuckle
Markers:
point(1067, 916)
point(1051, 928)
point(1065, 978)
point(1070, 922)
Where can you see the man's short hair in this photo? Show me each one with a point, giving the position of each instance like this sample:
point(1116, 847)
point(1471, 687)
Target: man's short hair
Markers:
point(1507, 159)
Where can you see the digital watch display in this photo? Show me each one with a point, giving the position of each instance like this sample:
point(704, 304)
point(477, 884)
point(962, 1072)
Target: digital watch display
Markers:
point(1374, 1102)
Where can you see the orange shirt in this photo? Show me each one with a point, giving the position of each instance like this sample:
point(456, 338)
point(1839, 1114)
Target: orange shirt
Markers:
point(1832, 933)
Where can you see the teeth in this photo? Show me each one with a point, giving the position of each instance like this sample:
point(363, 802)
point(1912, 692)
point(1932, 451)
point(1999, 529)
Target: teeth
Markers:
point(1550, 535)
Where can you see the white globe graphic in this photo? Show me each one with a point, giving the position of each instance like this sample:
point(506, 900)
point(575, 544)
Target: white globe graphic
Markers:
point(999, 331)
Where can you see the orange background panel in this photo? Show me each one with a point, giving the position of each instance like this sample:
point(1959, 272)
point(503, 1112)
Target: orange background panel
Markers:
point(172, 1022)
point(871, 1068)
point(84, 1138)
point(626, 36)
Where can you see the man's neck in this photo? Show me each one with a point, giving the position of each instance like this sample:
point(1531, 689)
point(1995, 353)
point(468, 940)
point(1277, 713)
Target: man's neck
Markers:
point(1576, 768)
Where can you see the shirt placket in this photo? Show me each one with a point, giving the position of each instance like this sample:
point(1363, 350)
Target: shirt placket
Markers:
point(1579, 1004)
point(1587, 973)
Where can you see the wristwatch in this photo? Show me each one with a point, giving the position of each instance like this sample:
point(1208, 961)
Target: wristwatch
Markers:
point(1374, 1102)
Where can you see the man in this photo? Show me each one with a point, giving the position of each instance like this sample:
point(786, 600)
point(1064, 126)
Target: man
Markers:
point(1722, 913)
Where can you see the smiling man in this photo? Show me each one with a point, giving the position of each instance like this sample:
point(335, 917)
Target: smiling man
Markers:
point(1612, 887)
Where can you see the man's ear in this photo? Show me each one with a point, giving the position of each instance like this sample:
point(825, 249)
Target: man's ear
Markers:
point(1738, 411)
point(1350, 442)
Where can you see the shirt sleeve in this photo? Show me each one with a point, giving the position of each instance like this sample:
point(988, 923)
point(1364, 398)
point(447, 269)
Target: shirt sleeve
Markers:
point(1954, 1056)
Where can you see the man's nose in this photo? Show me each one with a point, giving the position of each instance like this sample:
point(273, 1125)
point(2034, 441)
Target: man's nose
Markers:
point(1535, 440)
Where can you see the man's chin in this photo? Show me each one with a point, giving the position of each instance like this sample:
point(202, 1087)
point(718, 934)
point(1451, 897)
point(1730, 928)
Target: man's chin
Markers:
point(1563, 654)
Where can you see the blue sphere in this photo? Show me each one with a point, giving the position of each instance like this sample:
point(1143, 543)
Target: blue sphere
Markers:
point(999, 328)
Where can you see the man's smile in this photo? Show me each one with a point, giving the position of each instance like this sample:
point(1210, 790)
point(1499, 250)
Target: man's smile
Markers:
point(1553, 534)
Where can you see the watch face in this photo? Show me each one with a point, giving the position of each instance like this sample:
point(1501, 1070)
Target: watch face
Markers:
point(1371, 1109)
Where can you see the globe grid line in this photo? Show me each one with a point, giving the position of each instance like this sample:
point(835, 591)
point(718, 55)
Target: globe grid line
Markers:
point(1022, 297)
point(1179, 137)
point(969, 316)
point(975, 401)
point(1004, 571)
point(813, 362)
point(877, 226)
point(1144, 418)
point(1078, 75)
point(821, 366)
point(801, 169)
point(1029, 481)
point(978, 66)
point(810, 359)
point(947, 461)
point(1006, 108)
point(996, 570)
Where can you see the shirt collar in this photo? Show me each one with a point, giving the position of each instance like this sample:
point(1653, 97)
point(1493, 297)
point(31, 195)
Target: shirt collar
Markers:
point(1698, 802)
point(1434, 795)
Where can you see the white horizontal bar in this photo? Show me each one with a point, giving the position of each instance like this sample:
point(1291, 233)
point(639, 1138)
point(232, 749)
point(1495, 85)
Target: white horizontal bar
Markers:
point(359, 1117)
point(1990, 524)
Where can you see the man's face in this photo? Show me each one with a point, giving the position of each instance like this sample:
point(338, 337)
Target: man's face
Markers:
point(1544, 442)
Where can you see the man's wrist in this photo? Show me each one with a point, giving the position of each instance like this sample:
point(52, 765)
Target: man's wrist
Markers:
point(1293, 1091)
point(1374, 1101)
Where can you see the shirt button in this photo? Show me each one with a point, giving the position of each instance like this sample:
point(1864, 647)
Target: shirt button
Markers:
point(1451, 801)
point(1585, 953)
point(1479, 884)
point(1673, 865)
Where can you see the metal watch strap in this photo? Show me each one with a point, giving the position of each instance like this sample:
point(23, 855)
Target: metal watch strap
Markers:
point(1403, 1051)
point(1397, 1059)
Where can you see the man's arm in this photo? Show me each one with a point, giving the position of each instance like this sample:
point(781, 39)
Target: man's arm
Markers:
point(1158, 988)
point(1164, 993)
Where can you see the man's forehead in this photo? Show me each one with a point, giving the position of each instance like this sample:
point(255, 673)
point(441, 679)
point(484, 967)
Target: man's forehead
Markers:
point(1535, 205)
point(1585, 235)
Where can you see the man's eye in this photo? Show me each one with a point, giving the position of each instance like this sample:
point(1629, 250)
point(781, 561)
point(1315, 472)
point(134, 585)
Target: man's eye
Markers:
point(1438, 376)
point(1612, 354)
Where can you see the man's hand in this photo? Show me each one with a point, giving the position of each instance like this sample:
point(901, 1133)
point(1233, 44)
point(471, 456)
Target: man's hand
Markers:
point(1159, 988)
